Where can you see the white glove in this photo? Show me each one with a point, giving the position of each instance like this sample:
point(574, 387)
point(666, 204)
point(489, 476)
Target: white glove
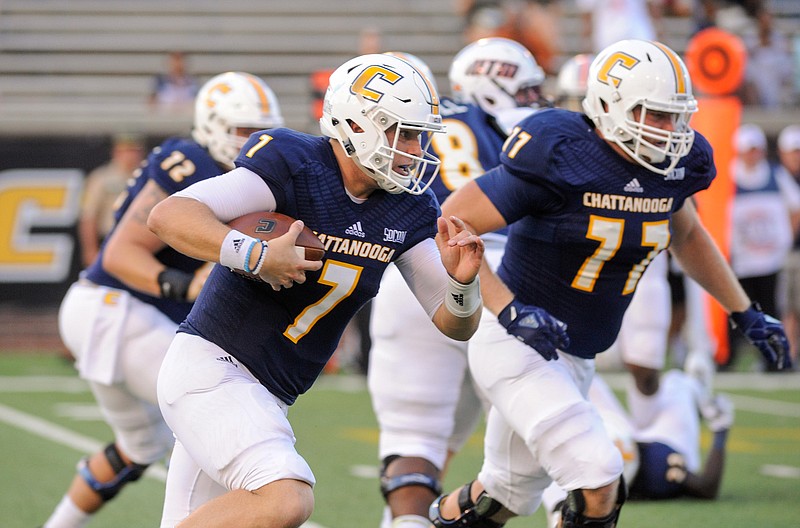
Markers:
point(718, 413)
point(700, 365)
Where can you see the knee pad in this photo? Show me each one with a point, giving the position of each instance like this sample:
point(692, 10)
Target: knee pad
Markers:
point(473, 514)
point(123, 473)
point(574, 505)
point(389, 484)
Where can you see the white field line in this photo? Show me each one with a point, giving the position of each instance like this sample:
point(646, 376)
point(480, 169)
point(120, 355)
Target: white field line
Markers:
point(354, 383)
point(729, 381)
point(63, 436)
point(755, 381)
point(68, 384)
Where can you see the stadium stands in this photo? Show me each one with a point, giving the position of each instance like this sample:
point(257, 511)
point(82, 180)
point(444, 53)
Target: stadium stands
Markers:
point(85, 66)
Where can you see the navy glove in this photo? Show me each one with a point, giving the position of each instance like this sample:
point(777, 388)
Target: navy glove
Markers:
point(766, 333)
point(535, 327)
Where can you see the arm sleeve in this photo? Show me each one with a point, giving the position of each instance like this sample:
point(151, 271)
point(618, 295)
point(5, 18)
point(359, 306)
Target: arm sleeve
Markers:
point(423, 271)
point(232, 194)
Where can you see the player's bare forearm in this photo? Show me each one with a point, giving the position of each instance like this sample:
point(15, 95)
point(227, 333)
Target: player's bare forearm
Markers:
point(496, 294)
point(188, 226)
point(130, 251)
point(706, 485)
point(454, 327)
point(199, 280)
point(473, 207)
point(702, 260)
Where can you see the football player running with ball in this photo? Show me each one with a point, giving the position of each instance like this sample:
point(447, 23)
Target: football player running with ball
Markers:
point(590, 200)
point(249, 348)
point(421, 389)
point(120, 317)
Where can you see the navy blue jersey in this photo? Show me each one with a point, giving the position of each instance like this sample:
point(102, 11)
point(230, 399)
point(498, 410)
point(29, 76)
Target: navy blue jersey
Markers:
point(585, 223)
point(174, 165)
point(286, 337)
point(653, 480)
point(471, 146)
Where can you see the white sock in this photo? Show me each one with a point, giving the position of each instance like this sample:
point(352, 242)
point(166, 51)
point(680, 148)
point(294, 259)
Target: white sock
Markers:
point(411, 521)
point(386, 519)
point(67, 515)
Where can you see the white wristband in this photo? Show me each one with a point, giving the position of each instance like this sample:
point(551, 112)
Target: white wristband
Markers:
point(260, 263)
point(462, 300)
point(236, 249)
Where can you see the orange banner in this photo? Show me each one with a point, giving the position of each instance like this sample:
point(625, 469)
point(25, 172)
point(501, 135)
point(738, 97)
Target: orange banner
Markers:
point(716, 61)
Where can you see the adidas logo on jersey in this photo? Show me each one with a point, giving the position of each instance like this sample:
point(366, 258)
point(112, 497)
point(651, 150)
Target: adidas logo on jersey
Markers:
point(633, 186)
point(228, 359)
point(676, 174)
point(355, 230)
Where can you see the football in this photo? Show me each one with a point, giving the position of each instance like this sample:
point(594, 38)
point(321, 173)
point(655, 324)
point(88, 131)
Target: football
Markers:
point(269, 225)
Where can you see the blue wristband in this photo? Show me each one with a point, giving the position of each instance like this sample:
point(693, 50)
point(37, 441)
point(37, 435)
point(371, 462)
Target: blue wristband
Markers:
point(247, 256)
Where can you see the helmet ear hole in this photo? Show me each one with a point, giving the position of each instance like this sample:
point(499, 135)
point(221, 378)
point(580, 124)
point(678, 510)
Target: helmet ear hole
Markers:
point(354, 126)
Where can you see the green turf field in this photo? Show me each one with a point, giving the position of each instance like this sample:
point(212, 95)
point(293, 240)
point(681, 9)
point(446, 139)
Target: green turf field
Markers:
point(48, 420)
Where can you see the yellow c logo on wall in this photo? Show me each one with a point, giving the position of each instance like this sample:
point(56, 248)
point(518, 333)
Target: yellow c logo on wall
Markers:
point(31, 199)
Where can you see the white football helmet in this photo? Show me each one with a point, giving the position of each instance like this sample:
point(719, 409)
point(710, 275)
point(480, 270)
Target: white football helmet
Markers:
point(418, 64)
point(646, 74)
point(228, 102)
point(571, 85)
point(497, 74)
point(367, 96)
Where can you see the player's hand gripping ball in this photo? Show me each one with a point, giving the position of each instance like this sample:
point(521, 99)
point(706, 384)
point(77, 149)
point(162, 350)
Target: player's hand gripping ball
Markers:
point(269, 225)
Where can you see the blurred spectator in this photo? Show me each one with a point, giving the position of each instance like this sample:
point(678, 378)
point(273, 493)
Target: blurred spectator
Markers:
point(533, 23)
point(761, 234)
point(538, 29)
point(608, 21)
point(484, 18)
point(739, 17)
point(103, 186)
point(679, 8)
point(789, 280)
point(176, 89)
point(769, 78)
point(370, 40)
